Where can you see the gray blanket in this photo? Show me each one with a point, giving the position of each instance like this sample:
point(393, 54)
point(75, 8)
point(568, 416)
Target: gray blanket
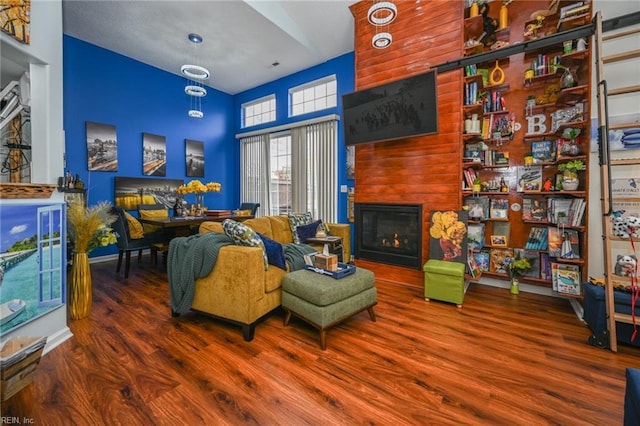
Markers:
point(191, 258)
point(195, 256)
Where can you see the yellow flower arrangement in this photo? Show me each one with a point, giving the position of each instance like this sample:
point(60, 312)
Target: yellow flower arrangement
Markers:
point(197, 187)
point(88, 227)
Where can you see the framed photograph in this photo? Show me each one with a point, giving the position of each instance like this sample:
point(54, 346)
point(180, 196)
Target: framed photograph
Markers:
point(102, 147)
point(351, 162)
point(131, 191)
point(154, 155)
point(499, 241)
point(195, 158)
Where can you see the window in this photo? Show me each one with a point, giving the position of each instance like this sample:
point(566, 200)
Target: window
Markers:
point(280, 173)
point(292, 170)
point(313, 96)
point(260, 111)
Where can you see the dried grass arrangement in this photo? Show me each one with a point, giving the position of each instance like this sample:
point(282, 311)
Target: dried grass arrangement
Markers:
point(88, 227)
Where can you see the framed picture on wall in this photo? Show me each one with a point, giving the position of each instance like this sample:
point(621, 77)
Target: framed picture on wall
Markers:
point(154, 155)
point(102, 147)
point(195, 158)
point(351, 162)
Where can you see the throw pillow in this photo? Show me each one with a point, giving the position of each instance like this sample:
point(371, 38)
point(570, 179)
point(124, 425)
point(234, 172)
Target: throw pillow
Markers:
point(153, 214)
point(307, 231)
point(297, 219)
point(275, 252)
point(242, 235)
point(135, 227)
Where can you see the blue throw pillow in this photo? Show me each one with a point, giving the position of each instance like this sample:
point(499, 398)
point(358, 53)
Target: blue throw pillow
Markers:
point(307, 231)
point(275, 252)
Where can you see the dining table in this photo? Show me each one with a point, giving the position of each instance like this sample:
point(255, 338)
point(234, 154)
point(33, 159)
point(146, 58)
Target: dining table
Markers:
point(180, 226)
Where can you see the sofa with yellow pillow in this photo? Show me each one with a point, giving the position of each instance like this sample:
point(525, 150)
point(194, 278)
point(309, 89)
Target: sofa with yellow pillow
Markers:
point(241, 288)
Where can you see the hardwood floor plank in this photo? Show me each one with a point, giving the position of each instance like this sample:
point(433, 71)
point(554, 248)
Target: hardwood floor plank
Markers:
point(501, 359)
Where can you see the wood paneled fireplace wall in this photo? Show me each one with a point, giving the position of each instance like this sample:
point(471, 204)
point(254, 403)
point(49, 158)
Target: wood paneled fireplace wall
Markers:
point(422, 170)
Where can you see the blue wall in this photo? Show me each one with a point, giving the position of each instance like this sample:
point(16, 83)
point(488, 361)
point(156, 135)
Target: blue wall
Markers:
point(343, 67)
point(105, 87)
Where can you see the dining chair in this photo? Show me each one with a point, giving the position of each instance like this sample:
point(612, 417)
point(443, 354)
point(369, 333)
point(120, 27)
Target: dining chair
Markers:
point(148, 211)
point(250, 206)
point(126, 244)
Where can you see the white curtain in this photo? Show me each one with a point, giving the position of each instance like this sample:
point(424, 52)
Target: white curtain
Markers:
point(322, 170)
point(314, 170)
point(254, 171)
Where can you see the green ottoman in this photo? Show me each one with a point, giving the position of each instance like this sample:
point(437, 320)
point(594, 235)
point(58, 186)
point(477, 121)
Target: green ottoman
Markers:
point(323, 301)
point(444, 281)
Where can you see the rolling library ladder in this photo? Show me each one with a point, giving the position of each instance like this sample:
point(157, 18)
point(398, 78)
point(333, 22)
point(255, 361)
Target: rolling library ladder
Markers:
point(607, 164)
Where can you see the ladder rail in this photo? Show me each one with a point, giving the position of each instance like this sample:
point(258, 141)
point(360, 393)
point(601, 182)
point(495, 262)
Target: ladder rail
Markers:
point(605, 161)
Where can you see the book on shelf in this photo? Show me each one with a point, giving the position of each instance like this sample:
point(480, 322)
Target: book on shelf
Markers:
point(555, 267)
point(545, 266)
point(625, 188)
point(558, 210)
point(568, 282)
point(543, 151)
point(534, 209)
point(529, 178)
point(571, 7)
point(469, 177)
point(576, 211)
point(496, 259)
point(570, 246)
point(472, 267)
point(482, 260)
point(499, 208)
point(534, 259)
point(554, 241)
point(474, 152)
point(478, 207)
point(499, 158)
point(537, 239)
point(475, 236)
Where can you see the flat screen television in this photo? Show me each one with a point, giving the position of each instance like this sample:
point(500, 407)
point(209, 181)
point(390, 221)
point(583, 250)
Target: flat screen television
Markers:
point(400, 109)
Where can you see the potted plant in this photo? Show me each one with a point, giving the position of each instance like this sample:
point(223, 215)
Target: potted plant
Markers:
point(569, 171)
point(477, 185)
point(568, 78)
point(516, 267)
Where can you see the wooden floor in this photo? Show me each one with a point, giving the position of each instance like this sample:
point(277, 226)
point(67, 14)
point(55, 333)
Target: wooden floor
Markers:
point(502, 359)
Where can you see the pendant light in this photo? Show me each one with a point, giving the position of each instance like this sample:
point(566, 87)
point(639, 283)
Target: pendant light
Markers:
point(380, 14)
point(196, 76)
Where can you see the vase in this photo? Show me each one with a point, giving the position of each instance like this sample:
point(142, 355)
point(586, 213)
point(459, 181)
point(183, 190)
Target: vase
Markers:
point(515, 286)
point(503, 18)
point(80, 291)
point(474, 10)
point(200, 204)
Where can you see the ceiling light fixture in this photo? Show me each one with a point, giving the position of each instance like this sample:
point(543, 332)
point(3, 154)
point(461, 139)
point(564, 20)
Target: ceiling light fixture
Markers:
point(196, 75)
point(382, 13)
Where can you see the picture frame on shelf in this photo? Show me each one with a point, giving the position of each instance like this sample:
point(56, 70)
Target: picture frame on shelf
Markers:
point(499, 241)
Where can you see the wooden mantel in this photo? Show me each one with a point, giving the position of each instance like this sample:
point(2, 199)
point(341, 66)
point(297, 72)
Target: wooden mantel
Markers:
point(421, 170)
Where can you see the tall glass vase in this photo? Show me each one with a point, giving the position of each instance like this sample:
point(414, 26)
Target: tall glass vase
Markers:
point(200, 204)
point(80, 291)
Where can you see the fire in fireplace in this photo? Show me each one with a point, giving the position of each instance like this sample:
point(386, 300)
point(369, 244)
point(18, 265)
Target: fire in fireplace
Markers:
point(389, 233)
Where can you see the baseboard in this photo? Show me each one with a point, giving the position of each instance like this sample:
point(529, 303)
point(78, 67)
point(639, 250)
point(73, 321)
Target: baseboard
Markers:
point(56, 339)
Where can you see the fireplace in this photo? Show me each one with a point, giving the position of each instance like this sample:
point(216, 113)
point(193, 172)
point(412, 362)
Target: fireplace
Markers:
point(389, 233)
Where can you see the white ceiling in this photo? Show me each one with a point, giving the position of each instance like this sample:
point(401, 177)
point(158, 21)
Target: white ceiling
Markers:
point(242, 39)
